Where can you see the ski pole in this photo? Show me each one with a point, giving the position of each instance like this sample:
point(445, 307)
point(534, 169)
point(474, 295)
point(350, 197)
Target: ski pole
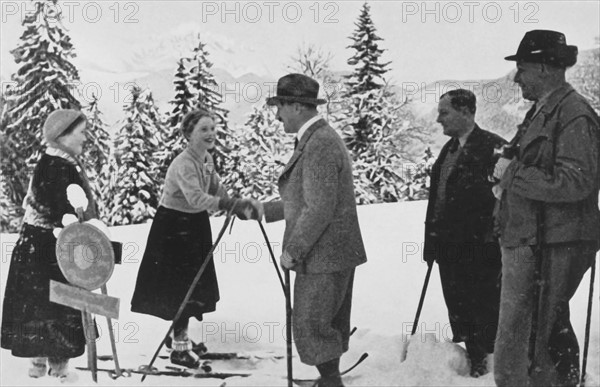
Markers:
point(418, 314)
point(288, 306)
point(586, 345)
point(190, 290)
point(422, 299)
point(262, 229)
point(288, 327)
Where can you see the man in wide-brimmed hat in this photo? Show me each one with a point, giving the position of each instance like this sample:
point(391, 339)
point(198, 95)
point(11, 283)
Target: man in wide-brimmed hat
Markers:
point(322, 241)
point(549, 179)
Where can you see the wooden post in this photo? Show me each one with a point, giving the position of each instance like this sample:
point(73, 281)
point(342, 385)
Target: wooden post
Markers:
point(90, 338)
point(112, 339)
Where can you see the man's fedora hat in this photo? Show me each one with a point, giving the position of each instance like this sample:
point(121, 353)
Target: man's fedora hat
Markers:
point(296, 88)
point(544, 46)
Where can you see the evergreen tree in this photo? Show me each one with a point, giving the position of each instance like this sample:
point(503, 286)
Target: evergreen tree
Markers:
point(96, 152)
point(418, 177)
point(135, 193)
point(376, 125)
point(42, 84)
point(205, 91)
point(258, 157)
point(369, 73)
point(10, 212)
point(173, 141)
point(183, 101)
point(365, 89)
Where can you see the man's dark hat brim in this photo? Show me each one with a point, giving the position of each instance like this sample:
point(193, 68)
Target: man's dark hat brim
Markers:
point(545, 55)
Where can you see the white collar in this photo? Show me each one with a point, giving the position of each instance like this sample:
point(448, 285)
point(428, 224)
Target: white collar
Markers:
point(307, 125)
point(52, 151)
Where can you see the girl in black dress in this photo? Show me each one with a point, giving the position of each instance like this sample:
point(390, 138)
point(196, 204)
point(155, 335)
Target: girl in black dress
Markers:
point(180, 238)
point(32, 326)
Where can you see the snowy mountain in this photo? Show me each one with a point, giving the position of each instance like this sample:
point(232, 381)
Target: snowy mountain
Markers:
point(251, 314)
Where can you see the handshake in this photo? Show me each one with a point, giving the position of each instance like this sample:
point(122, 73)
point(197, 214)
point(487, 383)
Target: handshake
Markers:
point(243, 208)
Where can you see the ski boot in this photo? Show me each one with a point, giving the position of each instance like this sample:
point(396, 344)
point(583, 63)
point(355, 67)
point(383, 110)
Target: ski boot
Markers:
point(199, 348)
point(183, 355)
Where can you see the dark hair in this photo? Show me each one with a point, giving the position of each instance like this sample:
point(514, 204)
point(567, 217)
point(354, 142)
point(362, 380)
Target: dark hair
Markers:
point(191, 119)
point(462, 98)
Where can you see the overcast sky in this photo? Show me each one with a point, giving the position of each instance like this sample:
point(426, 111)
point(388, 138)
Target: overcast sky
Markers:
point(425, 41)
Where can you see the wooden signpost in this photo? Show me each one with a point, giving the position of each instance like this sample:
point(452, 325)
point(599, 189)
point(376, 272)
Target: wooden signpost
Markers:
point(86, 258)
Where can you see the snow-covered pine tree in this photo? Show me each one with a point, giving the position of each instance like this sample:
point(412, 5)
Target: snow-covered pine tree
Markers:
point(206, 94)
point(96, 152)
point(259, 156)
point(43, 83)
point(183, 100)
point(369, 73)
point(182, 103)
point(135, 193)
point(418, 177)
point(375, 124)
point(10, 212)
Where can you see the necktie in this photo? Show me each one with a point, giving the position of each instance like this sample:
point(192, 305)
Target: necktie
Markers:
point(454, 146)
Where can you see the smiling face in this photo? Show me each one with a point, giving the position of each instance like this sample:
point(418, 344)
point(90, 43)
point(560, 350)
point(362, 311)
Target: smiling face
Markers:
point(204, 135)
point(530, 80)
point(74, 141)
point(455, 122)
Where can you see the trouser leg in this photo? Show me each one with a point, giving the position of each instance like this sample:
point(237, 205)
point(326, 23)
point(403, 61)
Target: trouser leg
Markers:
point(321, 315)
point(514, 326)
point(557, 350)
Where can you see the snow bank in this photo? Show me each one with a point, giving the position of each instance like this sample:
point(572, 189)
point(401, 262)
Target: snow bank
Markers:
point(251, 314)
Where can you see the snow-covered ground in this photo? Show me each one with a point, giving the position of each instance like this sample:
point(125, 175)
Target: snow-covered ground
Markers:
point(251, 314)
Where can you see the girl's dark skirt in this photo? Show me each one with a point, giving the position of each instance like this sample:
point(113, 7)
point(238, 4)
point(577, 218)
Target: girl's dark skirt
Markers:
point(32, 326)
point(177, 246)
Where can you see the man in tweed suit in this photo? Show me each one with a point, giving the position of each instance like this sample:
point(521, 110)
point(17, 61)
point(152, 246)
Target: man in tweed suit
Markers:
point(322, 242)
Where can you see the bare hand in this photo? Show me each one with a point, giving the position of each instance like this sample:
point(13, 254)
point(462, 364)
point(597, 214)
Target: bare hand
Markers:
point(286, 260)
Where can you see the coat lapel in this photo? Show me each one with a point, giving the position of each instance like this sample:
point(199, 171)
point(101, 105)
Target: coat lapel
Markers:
point(537, 127)
point(298, 152)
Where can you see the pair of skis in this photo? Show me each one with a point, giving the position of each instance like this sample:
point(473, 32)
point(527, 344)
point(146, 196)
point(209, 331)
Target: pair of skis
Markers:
point(205, 372)
point(170, 371)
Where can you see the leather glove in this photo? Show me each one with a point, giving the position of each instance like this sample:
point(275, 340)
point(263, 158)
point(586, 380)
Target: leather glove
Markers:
point(500, 167)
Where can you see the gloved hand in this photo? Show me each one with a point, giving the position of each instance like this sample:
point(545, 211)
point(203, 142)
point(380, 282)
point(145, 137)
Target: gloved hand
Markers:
point(242, 208)
point(501, 166)
point(430, 254)
point(429, 258)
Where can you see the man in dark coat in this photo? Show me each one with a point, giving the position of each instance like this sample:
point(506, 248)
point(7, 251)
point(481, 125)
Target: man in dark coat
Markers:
point(458, 227)
point(548, 214)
